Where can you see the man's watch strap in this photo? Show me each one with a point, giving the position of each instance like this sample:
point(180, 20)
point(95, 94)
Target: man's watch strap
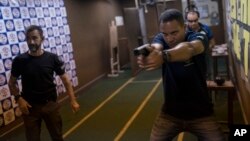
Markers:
point(166, 56)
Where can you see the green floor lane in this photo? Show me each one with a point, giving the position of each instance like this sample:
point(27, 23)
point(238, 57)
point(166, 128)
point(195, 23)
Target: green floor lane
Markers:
point(106, 123)
point(141, 127)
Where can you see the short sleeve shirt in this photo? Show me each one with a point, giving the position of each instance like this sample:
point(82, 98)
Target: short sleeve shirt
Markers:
point(37, 73)
point(184, 83)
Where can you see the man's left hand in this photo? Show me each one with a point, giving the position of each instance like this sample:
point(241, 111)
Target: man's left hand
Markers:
point(75, 106)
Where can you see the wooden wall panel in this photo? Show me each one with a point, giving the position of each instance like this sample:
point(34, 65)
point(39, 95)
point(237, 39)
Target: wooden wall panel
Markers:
point(131, 17)
point(89, 22)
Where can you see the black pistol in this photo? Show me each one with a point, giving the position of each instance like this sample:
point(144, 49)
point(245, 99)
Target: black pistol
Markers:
point(142, 50)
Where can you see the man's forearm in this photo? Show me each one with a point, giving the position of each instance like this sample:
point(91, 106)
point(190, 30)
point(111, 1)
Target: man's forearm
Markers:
point(68, 87)
point(211, 43)
point(14, 90)
point(184, 51)
point(70, 92)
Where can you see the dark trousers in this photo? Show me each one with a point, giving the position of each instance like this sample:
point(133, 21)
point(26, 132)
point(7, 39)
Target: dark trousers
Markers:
point(167, 127)
point(49, 113)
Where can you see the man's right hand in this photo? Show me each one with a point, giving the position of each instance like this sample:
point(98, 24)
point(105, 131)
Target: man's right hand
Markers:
point(23, 105)
point(153, 61)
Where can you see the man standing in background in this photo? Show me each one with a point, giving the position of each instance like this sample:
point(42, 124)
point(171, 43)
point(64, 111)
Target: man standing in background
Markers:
point(38, 98)
point(193, 24)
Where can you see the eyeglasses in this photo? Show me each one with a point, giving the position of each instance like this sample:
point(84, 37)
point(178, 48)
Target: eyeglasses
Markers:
point(191, 21)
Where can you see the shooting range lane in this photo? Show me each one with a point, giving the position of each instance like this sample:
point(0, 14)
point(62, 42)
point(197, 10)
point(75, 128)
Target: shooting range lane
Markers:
point(108, 122)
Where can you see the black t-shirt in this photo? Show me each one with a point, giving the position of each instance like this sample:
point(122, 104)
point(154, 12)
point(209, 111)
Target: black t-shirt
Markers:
point(37, 75)
point(185, 89)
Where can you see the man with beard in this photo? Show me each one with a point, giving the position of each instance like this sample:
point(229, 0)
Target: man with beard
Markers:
point(38, 98)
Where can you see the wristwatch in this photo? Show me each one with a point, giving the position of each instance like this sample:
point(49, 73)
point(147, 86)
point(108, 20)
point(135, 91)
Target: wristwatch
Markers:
point(166, 56)
point(17, 97)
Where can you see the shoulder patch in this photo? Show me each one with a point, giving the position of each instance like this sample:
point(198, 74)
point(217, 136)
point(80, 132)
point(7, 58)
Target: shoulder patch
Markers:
point(200, 37)
point(203, 32)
